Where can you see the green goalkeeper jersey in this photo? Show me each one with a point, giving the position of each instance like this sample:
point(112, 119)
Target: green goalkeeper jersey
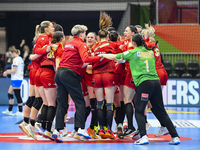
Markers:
point(142, 64)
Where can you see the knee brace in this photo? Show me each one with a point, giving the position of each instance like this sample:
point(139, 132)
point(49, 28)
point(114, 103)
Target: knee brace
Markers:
point(10, 96)
point(100, 105)
point(37, 103)
point(93, 103)
point(30, 101)
point(109, 106)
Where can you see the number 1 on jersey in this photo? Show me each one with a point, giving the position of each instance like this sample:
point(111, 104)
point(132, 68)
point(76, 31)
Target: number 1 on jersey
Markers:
point(147, 65)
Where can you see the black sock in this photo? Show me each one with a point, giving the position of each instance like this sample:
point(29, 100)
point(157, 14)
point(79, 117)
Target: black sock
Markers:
point(50, 116)
point(26, 120)
point(129, 115)
point(145, 118)
point(44, 116)
point(105, 113)
point(118, 115)
point(20, 108)
point(123, 111)
point(10, 107)
point(32, 122)
point(93, 103)
point(109, 115)
point(39, 118)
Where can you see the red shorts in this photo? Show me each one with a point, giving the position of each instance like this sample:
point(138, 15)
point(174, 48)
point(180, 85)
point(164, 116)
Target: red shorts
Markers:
point(120, 78)
point(84, 87)
point(88, 78)
point(163, 76)
point(32, 74)
point(45, 78)
point(129, 81)
point(104, 80)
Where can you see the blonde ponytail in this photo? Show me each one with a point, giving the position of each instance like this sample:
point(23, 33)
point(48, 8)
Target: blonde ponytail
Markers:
point(39, 29)
point(105, 21)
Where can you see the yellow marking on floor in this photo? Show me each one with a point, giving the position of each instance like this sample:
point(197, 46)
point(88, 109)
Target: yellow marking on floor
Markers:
point(176, 112)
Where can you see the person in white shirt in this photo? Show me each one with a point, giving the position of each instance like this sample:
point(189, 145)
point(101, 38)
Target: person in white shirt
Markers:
point(17, 75)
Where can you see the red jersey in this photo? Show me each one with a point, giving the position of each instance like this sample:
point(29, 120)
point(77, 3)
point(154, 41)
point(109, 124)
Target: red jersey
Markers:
point(120, 68)
point(42, 40)
point(156, 54)
point(105, 65)
point(56, 52)
point(127, 47)
point(75, 54)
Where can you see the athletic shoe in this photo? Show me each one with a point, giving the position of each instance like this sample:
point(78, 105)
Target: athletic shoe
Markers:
point(143, 140)
point(31, 131)
point(79, 137)
point(83, 132)
point(128, 132)
point(136, 136)
point(175, 141)
point(41, 131)
point(125, 125)
point(38, 125)
point(120, 131)
point(109, 134)
point(22, 127)
point(72, 133)
point(102, 133)
point(115, 130)
point(92, 133)
point(162, 131)
point(48, 135)
point(105, 128)
point(7, 112)
point(147, 126)
point(96, 129)
point(18, 113)
point(56, 137)
point(64, 132)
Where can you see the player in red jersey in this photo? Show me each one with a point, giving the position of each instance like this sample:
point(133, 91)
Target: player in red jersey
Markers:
point(129, 86)
point(104, 77)
point(43, 35)
point(91, 40)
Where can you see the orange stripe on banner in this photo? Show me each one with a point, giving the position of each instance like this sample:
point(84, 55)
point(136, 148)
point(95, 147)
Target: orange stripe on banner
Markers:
point(184, 37)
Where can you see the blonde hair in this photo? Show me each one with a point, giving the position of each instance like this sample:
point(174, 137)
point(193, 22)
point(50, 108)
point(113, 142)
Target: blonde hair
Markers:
point(17, 51)
point(105, 21)
point(26, 48)
point(148, 30)
point(77, 29)
point(39, 29)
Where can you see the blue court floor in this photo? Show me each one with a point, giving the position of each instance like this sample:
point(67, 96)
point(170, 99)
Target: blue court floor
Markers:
point(187, 121)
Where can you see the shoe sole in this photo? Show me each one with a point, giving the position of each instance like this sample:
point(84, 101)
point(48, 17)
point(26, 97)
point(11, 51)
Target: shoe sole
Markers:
point(175, 143)
point(142, 143)
point(102, 135)
point(109, 136)
point(81, 138)
point(24, 131)
point(86, 137)
point(57, 141)
point(46, 136)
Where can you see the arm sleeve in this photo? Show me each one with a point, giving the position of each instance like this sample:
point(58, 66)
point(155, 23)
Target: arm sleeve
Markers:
point(125, 55)
point(41, 42)
point(15, 63)
point(84, 55)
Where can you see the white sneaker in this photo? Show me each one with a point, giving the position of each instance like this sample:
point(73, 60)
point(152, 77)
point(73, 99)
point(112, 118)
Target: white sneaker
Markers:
point(31, 131)
point(143, 140)
point(162, 131)
point(38, 125)
point(7, 112)
point(56, 136)
point(22, 127)
point(115, 130)
point(175, 141)
point(18, 113)
point(64, 132)
point(72, 133)
point(147, 126)
point(83, 132)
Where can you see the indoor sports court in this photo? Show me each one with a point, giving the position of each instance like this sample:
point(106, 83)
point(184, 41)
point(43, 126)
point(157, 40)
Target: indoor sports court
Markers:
point(177, 30)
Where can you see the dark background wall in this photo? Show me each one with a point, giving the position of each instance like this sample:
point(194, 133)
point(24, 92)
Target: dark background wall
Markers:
point(21, 25)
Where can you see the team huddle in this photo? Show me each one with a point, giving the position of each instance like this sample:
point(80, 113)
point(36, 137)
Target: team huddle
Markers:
point(106, 76)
